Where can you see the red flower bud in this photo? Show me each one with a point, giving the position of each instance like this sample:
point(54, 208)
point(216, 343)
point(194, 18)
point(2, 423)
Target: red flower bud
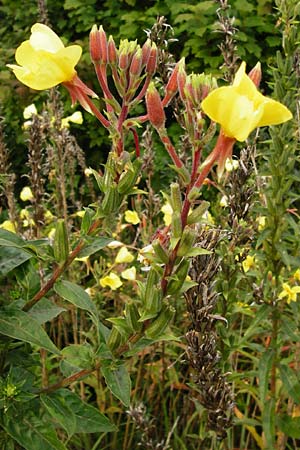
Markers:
point(136, 63)
point(152, 61)
point(181, 79)
point(146, 51)
point(155, 108)
point(112, 51)
point(172, 85)
point(98, 45)
point(255, 74)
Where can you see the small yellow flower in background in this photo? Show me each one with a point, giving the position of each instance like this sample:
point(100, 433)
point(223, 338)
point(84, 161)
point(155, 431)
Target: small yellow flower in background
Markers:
point(82, 259)
point(248, 263)
point(209, 218)
point(76, 117)
point(48, 215)
point(129, 274)
point(26, 194)
point(224, 201)
point(167, 212)
point(132, 217)
point(124, 256)
point(241, 108)
point(80, 213)
point(51, 233)
point(296, 275)
point(231, 164)
point(289, 292)
point(28, 222)
point(8, 225)
point(112, 281)
point(43, 61)
point(115, 244)
point(261, 223)
point(30, 111)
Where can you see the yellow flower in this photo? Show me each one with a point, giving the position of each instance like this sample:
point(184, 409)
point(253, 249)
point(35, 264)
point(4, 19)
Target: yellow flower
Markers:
point(241, 108)
point(129, 274)
point(43, 61)
point(124, 256)
point(167, 212)
point(26, 194)
point(76, 117)
point(289, 292)
point(297, 275)
point(8, 225)
point(224, 201)
point(261, 223)
point(231, 164)
point(132, 217)
point(29, 111)
point(248, 263)
point(112, 281)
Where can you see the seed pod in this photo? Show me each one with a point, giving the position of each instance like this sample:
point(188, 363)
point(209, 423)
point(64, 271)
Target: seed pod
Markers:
point(158, 326)
point(176, 225)
point(152, 280)
point(160, 252)
point(115, 339)
point(197, 214)
point(61, 242)
point(111, 200)
point(186, 242)
point(128, 179)
point(180, 275)
point(176, 201)
point(132, 316)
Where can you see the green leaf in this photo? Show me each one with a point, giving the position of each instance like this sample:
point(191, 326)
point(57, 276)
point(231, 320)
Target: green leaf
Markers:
point(58, 408)
point(79, 355)
point(268, 423)
point(32, 433)
point(255, 324)
point(20, 325)
point(88, 418)
point(9, 239)
point(290, 382)
point(94, 244)
point(10, 258)
point(118, 380)
point(264, 367)
point(290, 426)
point(45, 310)
point(76, 295)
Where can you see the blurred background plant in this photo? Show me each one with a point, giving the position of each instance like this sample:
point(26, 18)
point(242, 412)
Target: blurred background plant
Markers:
point(226, 376)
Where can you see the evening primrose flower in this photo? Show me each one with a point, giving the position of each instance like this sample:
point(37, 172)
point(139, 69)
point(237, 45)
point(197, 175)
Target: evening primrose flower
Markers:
point(248, 263)
point(241, 108)
point(44, 61)
point(112, 281)
point(26, 194)
point(132, 217)
point(167, 211)
point(124, 256)
point(129, 274)
point(289, 292)
point(296, 275)
point(29, 111)
point(76, 117)
point(8, 225)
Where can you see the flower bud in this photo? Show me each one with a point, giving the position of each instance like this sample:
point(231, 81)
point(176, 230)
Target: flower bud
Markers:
point(176, 201)
point(255, 74)
point(178, 278)
point(186, 242)
point(197, 214)
point(112, 51)
point(154, 107)
point(136, 63)
point(152, 60)
point(98, 45)
point(146, 51)
point(181, 79)
point(160, 252)
point(158, 326)
point(172, 85)
point(176, 225)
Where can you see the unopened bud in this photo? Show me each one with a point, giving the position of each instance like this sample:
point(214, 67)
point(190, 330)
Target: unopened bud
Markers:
point(255, 74)
point(146, 51)
point(176, 225)
point(181, 79)
point(186, 242)
point(197, 214)
point(152, 60)
point(172, 85)
point(160, 252)
point(112, 51)
point(155, 108)
point(98, 45)
point(159, 325)
point(123, 60)
point(176, 201)
point(136, 63)
point(194, 193)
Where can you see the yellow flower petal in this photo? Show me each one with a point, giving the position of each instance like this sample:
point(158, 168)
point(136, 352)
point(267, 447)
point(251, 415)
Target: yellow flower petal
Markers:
point(29, 111)
point(129, 274)
point(132, 217)
point(43, 61)
point(26, 194)
point(124, 256)
point(112, 281)
point(8, 225)
point(241, 108)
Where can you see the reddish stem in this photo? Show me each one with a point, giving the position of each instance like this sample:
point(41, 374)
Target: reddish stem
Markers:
point(170, 148)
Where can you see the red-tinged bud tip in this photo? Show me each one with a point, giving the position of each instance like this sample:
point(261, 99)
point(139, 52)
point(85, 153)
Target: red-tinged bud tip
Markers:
point(98, 45)
point(172, 85)
point(155, 109)
point(152, 60)
point(112, 51)
point(255, 74)
point(146, 51)
point(136, 63)
point(181, 78)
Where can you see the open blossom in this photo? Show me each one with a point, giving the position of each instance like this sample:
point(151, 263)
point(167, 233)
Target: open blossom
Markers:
point(289, 292)
point(124, 256)
point(241, 108)
point(43, 61)
point(111, 281)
